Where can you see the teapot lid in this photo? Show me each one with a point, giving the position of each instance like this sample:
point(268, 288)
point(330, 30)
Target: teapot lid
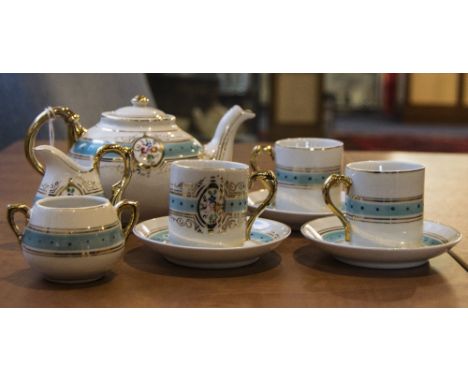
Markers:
point(139, 111)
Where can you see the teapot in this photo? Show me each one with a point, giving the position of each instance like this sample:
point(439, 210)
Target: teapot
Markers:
point(63, 176)
point(155, 141)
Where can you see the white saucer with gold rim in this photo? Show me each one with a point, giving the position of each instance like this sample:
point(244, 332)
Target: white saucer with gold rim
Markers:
point(295, 219)
point(328, 234)
point(266, 235)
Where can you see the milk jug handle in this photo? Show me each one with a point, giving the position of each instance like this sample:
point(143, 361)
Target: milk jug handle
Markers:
point(72, 120)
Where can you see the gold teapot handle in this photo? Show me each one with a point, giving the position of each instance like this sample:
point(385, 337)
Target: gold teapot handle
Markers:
point(12, 209)
point(336, 179)
point(268, 178)
point(75, 131)
point(135, 211)
point(126, 154)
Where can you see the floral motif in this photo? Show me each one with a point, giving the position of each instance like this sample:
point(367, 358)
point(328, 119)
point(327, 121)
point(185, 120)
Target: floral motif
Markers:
point(214, 199)
point(148, 152)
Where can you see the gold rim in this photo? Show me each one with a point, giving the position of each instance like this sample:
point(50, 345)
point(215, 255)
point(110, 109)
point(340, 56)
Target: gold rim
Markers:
point(315, 148)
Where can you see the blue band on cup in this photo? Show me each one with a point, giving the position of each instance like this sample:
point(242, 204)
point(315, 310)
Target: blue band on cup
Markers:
point(304, 177)
point(190, 205)
point(383, 210)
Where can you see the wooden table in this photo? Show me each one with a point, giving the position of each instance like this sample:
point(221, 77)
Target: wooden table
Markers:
point(295, 275)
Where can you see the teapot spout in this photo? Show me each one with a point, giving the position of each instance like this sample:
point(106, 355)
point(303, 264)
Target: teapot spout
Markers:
point(221, 146)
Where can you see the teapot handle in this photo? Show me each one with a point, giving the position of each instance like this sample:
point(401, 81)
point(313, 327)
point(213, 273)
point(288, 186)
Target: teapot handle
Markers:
point(126, 154)
point(75, 131)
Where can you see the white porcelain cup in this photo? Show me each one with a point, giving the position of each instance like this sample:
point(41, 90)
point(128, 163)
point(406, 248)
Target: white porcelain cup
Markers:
point(384, 203)
point(302, 165)
point(208, 202)
point(73, 239)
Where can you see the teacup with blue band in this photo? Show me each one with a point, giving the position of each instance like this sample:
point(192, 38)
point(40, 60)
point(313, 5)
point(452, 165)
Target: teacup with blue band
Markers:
point(208, 202)
point(384, 205)
point(302, 165)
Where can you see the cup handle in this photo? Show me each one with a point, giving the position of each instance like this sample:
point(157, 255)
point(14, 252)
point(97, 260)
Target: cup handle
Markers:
point(120, 206)
point(125, 152)
point(75, 131)
point(332, 180)
point(12, 209)
point(256, 151)
point(268, 178)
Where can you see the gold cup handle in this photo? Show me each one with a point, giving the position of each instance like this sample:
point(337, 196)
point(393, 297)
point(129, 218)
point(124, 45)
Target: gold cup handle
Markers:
point(256, 151)
point(12, 209)
point(135, 213)
point(126, 154)
point(75, 131)
point(331, 181)
point(268, 178)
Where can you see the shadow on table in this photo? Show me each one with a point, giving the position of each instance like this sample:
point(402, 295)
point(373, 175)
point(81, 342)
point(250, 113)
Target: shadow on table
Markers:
point(28, 278)
point(148, 261)
point(313, 257)
point(385, 287)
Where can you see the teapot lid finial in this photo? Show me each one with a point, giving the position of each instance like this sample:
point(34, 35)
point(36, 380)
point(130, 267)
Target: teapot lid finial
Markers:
point(141, 110)
point(140, 100)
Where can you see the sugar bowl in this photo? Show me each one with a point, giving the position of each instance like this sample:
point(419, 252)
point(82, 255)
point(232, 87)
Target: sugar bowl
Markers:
point(73, 239)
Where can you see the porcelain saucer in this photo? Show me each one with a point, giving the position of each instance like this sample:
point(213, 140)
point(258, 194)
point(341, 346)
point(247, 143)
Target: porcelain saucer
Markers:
point(328, 234)
point(295, 219)
point(266, 235)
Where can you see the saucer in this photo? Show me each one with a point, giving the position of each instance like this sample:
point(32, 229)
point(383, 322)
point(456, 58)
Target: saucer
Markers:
point(295, 219)
point(266, 235)
point(328, 234)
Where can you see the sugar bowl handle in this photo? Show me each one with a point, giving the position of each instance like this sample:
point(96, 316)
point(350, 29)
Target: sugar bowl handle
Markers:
point(126, 154)
point(331, 181)
point(12, 209)
point(135, 215)
point(268, 178)
point(75, 131)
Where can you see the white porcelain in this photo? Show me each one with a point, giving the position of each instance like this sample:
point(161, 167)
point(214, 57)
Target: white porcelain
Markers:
point(385, 203)
point(294, 219)
point(64, 177)
point(328, 234)
point(208, 203)
point(266, 236)
point(73, 239)
point(156, 140)
point(302, 165)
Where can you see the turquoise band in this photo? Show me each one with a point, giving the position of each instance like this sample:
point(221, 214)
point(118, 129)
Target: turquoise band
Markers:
point(190, 205)
point(383, 209)
point(73, 242)
point(338, 236)
point(171, 150)
point(301, 178)
point(162, 236)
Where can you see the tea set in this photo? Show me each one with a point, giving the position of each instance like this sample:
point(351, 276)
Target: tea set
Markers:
point(194, 200)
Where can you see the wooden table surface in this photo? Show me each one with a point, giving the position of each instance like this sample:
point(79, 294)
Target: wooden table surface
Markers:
point(295, 275)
